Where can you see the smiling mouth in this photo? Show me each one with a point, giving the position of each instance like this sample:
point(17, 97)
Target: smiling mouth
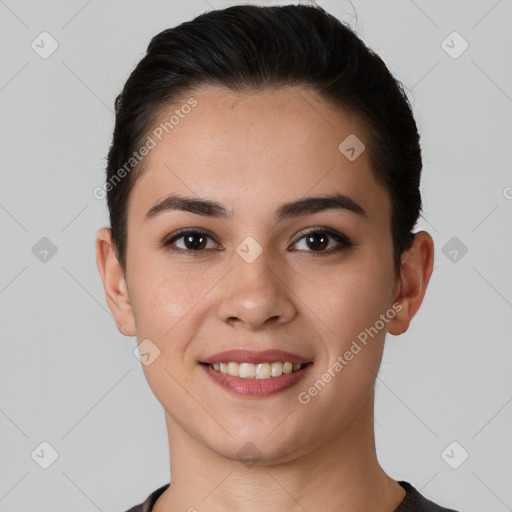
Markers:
point(257, 371)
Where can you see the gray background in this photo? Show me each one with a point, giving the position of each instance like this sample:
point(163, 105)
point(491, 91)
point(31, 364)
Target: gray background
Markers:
point(70, 379)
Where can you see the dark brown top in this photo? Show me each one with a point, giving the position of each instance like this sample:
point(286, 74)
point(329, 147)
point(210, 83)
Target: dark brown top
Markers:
point(413, 501)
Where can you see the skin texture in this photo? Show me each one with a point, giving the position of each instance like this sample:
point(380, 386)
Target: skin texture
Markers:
point(252, 152)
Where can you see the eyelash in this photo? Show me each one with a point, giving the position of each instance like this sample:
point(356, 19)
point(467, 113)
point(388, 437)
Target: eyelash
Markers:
point(342, 239)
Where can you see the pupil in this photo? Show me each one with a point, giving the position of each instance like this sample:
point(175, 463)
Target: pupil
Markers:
point(190, 240)
point(318, 240)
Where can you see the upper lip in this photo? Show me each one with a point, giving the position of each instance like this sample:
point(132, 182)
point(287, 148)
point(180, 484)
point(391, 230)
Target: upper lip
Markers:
point(255, 356)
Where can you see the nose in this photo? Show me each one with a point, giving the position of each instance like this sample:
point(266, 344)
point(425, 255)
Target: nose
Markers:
point(256, 295)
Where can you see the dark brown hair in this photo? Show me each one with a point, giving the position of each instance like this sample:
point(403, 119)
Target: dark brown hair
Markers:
point(251, 48)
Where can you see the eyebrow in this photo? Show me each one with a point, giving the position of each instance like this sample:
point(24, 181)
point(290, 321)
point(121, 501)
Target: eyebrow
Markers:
point(209, 208)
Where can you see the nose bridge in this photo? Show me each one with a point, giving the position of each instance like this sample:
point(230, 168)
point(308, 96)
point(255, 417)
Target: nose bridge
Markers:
point(255, 291)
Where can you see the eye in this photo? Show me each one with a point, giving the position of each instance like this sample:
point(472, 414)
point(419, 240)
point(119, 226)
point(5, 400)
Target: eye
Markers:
point(320, 239)
point(193, 240)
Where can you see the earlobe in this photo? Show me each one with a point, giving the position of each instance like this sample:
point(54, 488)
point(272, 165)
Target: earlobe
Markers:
point(114, 283)
point(415, 271)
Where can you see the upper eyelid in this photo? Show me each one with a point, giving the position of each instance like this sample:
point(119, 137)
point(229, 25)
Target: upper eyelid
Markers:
point(324, 229)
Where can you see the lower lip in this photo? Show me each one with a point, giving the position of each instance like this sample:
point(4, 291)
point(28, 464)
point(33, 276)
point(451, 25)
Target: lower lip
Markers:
point(256, 387)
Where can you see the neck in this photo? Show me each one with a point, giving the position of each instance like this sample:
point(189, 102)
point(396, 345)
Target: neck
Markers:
point(340, 474)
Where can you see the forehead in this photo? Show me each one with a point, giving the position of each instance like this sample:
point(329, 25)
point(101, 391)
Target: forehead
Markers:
point(263, 147)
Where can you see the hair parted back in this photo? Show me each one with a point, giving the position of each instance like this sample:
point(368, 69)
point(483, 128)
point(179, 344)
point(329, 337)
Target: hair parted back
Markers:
point(250, 48)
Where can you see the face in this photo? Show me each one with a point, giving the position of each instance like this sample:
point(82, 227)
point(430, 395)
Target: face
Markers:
point(256, 275)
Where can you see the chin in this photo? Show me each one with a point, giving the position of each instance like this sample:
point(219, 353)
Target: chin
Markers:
point(261, 447)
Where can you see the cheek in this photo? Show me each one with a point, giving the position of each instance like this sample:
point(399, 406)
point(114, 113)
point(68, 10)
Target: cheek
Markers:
point(348, 298)
point(166, 313)
point(349, 301)
point(161, 299)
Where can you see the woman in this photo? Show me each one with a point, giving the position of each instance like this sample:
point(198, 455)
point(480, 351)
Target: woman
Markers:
point(263, 185)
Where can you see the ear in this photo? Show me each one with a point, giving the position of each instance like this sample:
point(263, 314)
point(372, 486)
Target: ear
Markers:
point(114, 283)
point(415, 271)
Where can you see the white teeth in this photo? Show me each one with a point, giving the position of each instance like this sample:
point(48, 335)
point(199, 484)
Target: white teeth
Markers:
point(234, 369)
point(287, 368)
point(277, 369)
point(256, 371)
point(247, 370)
point(263, 371)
